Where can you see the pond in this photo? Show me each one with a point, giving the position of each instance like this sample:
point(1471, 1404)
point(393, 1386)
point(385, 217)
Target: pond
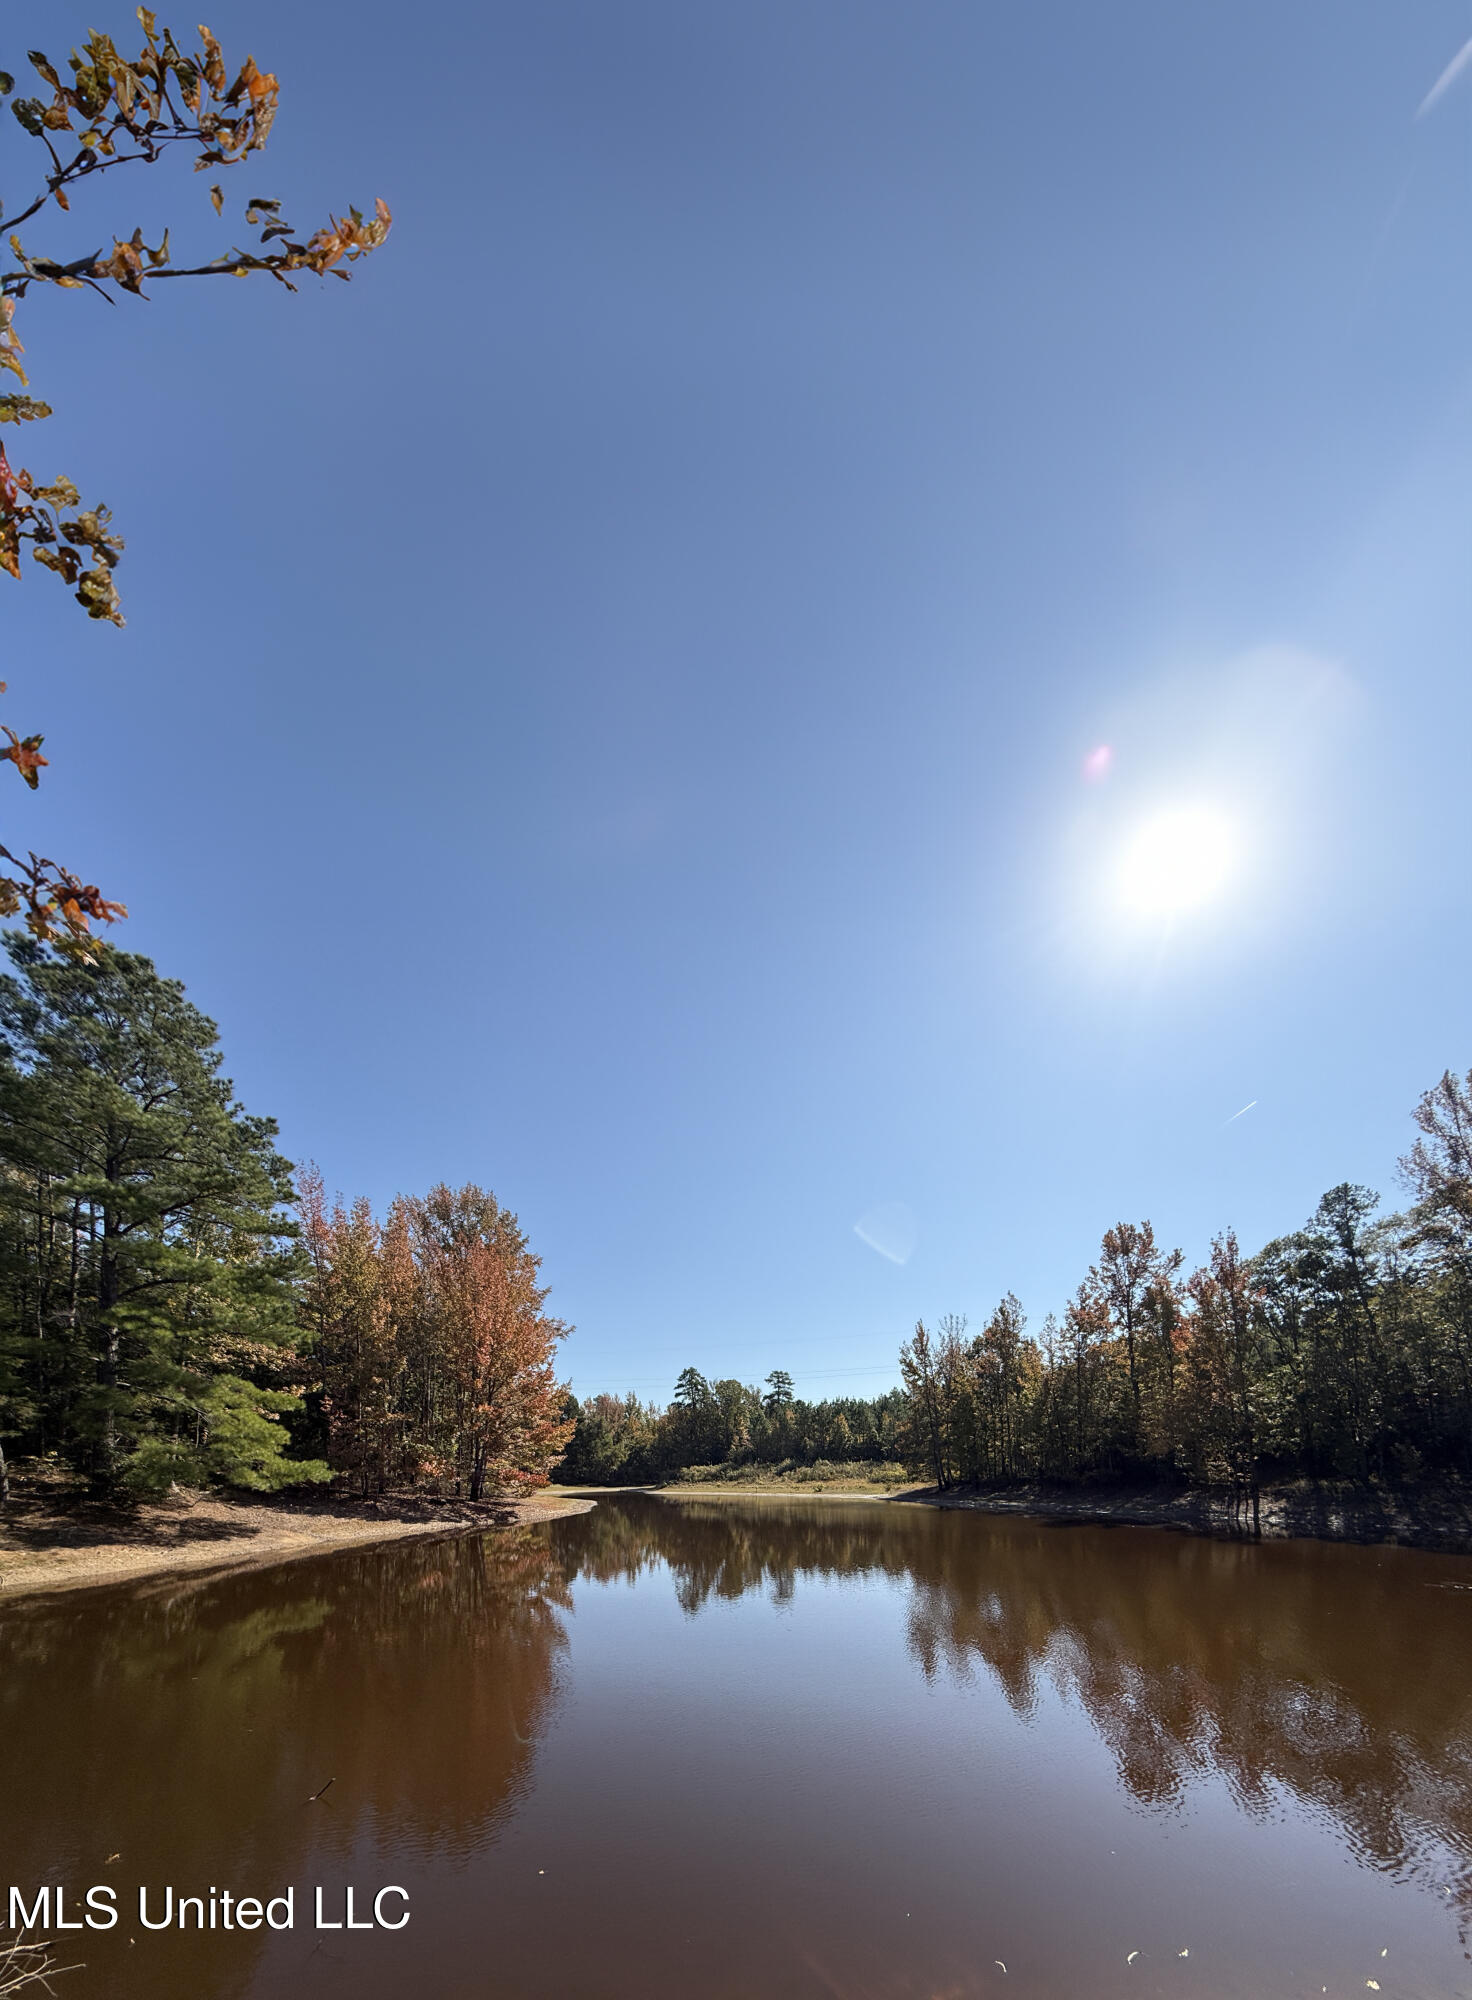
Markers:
point(761, 1748)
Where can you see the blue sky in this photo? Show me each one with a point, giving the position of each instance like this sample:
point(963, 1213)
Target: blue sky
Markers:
point(606, 695)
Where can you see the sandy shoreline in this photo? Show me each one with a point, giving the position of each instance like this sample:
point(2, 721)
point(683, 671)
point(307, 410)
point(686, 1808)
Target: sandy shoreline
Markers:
point(44, 1550)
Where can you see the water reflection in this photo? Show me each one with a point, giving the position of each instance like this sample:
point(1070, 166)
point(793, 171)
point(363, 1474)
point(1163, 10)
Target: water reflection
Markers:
point(1278, 1668)
point(1340, 1675)
point(776, 1764)
point(184, 1727)
point(726, 1549)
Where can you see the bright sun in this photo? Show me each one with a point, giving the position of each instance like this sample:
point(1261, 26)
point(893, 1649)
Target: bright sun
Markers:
point(1177, 861)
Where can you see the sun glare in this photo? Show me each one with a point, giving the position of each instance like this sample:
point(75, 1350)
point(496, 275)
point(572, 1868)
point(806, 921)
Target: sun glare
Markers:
point(1177, 861)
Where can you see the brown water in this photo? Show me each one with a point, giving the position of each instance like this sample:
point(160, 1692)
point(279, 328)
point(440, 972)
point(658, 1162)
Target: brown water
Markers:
point(677, 1749)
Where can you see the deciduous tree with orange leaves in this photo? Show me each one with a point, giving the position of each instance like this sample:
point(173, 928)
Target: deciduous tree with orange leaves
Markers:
point(105, 112)
point(437, 1356)
point(347, 1305)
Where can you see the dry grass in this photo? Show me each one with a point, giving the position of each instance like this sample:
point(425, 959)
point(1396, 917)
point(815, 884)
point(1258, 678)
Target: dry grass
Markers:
point(857, 1475)
point(862, 1476)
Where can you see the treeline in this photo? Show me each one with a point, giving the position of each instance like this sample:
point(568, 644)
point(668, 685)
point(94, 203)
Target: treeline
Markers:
point(1342, 1351)
point(174, 1308)
point(620, 1441)
point(166, 1318)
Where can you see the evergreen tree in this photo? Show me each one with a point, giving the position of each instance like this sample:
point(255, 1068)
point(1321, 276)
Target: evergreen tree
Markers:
point(779, 1392)
point(147, 1310)
point(925, 1442)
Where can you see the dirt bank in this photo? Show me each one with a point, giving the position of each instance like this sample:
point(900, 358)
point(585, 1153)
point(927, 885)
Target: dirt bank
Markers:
point(47, 1545)
point(1422, 1517)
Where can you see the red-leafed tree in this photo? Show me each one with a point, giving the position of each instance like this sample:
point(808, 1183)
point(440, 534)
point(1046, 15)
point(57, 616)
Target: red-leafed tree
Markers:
point(436, 1354)
point(482, 1305)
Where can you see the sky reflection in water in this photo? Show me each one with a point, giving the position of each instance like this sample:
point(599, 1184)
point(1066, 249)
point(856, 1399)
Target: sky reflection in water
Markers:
point(771, 1748)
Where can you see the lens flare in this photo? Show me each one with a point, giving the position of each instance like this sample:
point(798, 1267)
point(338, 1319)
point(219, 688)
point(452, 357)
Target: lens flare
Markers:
point(1177, 861)
point(889, 1229)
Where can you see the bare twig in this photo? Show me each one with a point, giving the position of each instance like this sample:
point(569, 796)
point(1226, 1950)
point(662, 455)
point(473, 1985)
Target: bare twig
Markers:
point(23, 1964)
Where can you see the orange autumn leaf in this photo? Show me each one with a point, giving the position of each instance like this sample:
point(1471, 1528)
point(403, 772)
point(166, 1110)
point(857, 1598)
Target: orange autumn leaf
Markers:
point(118, 110)
point(25, 753)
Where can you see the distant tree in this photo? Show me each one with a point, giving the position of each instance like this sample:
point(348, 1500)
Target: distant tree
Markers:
point(961, 1420)
point(1344, 1260)
point(1130, 1270)
point(612, 1442)
point(737, 1410)
point(694, 1430)
point(1438, 1168)
point(920, 1374)
point(1224, 1356)
point(1085, 1329)
point(779, 1392)
point(111, 111)
point(692, 1390)
point(1051, 1422)
point(1438, 1171)
point(1004, 1354)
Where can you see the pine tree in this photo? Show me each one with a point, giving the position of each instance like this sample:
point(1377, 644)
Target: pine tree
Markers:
point(147, 1316)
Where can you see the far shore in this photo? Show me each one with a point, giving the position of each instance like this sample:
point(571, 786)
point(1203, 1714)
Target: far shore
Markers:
point(774, 1489)
point(1435, 1516)
point(47, 1547)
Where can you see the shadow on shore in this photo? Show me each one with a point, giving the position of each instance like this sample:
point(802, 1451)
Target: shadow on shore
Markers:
point(39, 1519)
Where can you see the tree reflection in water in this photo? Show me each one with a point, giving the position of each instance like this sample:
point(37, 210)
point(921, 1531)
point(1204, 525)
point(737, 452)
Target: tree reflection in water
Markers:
point(1337, 1674)
point(184, 1726)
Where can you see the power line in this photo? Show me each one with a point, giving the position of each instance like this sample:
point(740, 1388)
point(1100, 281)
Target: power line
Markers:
point(789, 1343)
point(805, 1375)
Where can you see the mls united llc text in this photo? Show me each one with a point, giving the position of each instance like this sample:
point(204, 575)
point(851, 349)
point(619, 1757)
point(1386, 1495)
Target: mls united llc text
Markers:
point(333, 1909)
